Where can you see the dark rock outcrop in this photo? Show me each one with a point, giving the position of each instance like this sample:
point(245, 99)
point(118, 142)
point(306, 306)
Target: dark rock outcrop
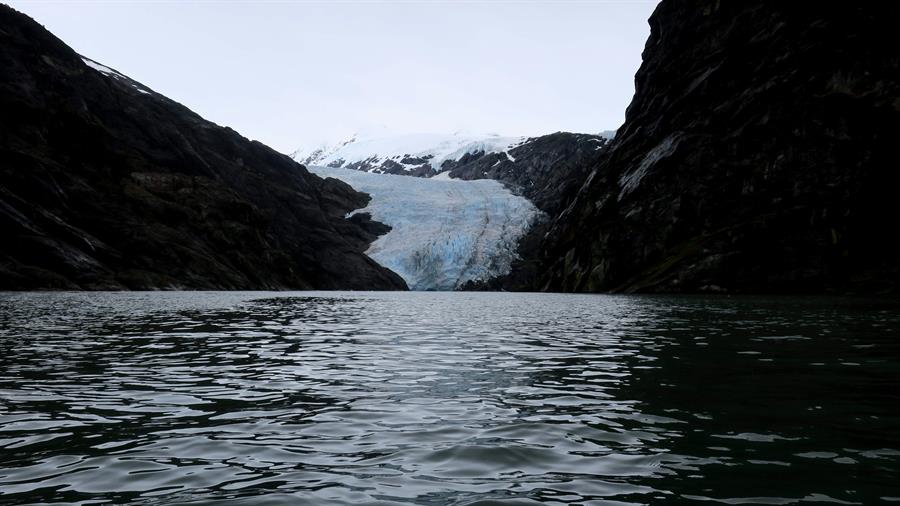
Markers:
point(541, 169)
point(546, 170)
point(105, 184)
point(759, 155)
point(416, 166)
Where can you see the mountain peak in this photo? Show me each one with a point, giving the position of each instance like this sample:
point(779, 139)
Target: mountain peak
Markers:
point(412, 153)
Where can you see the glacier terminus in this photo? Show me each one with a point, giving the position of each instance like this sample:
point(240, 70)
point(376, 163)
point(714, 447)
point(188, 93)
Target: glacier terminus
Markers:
point(444, 232)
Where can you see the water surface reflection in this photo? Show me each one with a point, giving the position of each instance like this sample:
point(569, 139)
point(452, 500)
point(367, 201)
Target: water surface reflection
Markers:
point(447, 398)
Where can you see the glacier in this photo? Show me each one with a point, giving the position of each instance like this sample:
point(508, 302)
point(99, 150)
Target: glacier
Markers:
point(444, 232)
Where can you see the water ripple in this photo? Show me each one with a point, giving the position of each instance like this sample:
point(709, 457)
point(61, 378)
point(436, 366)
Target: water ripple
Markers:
point(446, 398)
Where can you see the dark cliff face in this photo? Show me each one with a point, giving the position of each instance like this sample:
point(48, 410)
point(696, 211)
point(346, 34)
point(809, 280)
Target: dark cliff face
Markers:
point(106, 184)
point(542, 169)
point(547, 170)
point(759, 155)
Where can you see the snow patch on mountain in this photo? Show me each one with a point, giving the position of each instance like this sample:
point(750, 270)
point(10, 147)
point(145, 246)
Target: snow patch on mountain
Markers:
point(445, 232)
point(406, 152)
point(103, 69)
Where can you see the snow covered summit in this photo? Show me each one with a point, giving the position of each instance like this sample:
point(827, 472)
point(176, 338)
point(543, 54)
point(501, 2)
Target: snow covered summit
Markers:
point(406, 154)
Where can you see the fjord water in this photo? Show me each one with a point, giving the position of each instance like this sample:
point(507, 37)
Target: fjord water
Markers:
point(447, 398)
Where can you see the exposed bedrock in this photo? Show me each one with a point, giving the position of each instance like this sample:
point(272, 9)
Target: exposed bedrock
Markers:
point(105, 184)
point(759, 155)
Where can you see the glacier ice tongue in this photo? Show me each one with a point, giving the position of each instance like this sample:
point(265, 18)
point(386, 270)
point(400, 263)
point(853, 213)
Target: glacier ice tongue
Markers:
point(445, 232)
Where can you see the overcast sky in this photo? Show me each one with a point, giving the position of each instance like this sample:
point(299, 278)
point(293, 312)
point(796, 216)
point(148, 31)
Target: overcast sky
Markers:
point(295, 73)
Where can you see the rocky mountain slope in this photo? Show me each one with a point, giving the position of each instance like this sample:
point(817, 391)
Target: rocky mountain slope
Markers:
point(759, 155)
point(547, 170)
point(540, 168)
point(105, 184)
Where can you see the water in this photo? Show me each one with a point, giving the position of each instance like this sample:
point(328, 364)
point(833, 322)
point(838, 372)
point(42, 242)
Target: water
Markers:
point(447, 398)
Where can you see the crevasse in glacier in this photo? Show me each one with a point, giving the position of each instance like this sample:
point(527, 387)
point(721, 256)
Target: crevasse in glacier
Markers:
point(444, 232)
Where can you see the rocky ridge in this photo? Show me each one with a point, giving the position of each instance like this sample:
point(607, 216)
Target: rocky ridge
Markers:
point(105, 184)
point(758, 155)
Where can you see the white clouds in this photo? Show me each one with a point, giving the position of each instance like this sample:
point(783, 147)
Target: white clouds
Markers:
point(280, 71)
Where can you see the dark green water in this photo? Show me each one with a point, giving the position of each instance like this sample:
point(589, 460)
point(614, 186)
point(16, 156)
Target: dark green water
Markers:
point(447, 398)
